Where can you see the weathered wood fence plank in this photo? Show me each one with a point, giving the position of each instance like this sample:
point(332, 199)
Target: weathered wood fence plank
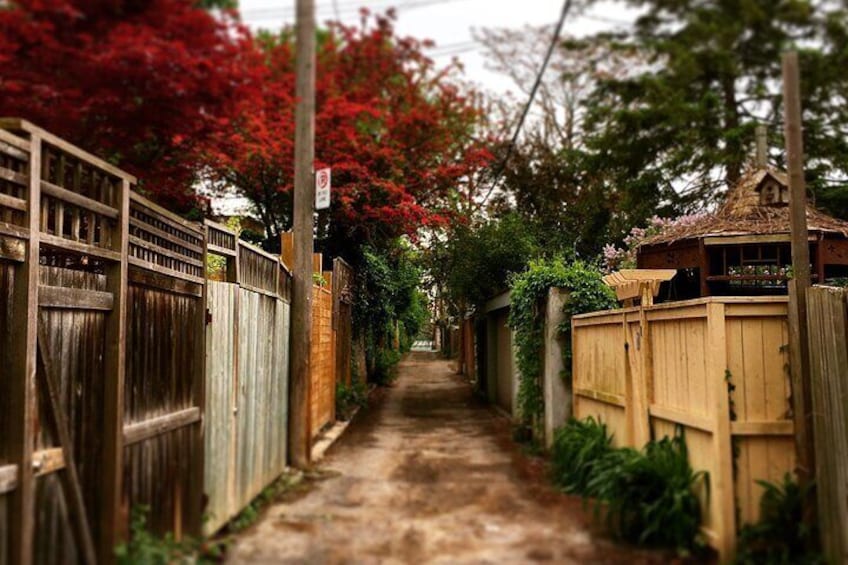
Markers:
point(827, 312)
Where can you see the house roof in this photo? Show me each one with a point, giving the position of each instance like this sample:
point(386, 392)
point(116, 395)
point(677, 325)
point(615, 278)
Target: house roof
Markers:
point(742, 214)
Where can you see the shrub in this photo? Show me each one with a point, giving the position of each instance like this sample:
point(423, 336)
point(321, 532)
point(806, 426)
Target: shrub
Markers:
point(578, 446)
point(649, 496)
point(780, 537)
point(385, 366)
point(349, 398)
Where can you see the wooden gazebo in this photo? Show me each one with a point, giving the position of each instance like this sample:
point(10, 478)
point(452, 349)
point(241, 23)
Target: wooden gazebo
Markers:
point(744, 247)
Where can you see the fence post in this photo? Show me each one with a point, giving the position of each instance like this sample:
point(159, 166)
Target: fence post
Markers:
point(640, 399)
point(722, 494)
point(22, 360)
point(112, 522)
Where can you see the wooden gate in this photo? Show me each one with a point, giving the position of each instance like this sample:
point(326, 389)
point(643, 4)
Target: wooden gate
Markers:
point(247, 368)
point(63, 238)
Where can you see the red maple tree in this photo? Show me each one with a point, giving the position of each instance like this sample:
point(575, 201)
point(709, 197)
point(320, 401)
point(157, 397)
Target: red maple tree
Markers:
point(145, 83)
point(399, 135)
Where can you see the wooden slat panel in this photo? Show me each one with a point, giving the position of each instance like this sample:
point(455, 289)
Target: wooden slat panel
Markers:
point(141, 431)
point(165, 216)
point(190, 246)
point(78, 200)
point(166, 252)
point(135, 262)
point(62, 297)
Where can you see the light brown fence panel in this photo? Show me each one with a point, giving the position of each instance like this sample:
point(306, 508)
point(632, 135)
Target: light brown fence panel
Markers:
point(164, 398)
point(247, 377)
point(599, 377)
point(322, 384)
point(682, 358)
point(828, 326)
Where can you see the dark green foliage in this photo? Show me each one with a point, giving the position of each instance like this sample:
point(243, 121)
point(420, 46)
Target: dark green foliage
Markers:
point(385, 366)
point(474, 262)
point(146, 548)
point(526, 316)
point(649, 496)
point(578, 447)
point(349, 398)
point(387, 292)
point(780, 537)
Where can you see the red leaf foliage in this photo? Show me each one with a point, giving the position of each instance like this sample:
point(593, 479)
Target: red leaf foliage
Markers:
point(143, 82)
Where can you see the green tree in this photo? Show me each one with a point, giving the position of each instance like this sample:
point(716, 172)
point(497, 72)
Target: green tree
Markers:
point(681, 126)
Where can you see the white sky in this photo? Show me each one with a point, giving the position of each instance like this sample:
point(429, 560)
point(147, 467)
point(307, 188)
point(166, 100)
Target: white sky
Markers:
point(449, 23)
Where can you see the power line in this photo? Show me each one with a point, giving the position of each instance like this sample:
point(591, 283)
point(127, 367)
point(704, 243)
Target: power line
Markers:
point(566, 6)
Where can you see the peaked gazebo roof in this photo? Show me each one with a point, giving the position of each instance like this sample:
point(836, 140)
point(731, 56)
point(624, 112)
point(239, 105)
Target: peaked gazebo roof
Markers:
point(742, 214)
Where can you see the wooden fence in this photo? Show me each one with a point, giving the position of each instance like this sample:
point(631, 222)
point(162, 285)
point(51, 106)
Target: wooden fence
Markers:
point(343, 284)
point(322, 366)
point(827, 312)
point(103, 326)
point(246, 375)
point(647, 371)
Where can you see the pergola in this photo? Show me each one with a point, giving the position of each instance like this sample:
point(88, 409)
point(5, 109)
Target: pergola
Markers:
point(744, 248)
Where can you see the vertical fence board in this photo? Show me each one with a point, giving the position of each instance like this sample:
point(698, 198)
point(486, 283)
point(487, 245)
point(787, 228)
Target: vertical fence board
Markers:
point(828, 327)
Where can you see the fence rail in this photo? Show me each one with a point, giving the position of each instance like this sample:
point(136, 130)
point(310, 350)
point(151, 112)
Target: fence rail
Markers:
point(715, 367)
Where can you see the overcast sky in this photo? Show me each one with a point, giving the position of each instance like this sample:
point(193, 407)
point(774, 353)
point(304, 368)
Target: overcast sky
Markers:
point(448, 23)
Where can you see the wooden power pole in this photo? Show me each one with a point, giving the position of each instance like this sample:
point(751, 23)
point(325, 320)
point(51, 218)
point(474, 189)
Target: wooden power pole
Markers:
point(304, 198)
point(798, 342)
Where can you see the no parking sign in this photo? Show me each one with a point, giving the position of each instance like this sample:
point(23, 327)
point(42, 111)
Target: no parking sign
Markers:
point(322, 189)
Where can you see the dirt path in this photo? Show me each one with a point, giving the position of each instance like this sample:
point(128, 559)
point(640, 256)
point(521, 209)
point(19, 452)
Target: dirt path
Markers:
point(428, 474)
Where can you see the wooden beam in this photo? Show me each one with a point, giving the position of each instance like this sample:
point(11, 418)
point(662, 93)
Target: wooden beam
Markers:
point(21, 364)
point(158, 249)
point(64, 244)
point(723, 497)
point(153, 267)
point(197, 463)
point(78, 200)
point(112, 528)
point(8, 478)
point(605, 397)
point(74, 298)
point(798, 335)
point(163, 282)
point(141, 431)
point(69, 478)
point(48, 461)
point(13, 203)
point(679, 417)
point(165, 216)
point(137, 224)
point(771, 428)
point(12, 249)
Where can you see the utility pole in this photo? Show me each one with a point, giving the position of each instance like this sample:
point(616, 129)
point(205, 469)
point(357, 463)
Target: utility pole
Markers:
point(304, 198)
point(801, 280)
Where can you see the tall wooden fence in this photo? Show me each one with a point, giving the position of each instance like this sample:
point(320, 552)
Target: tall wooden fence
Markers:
point(827, 312)
point(343, 284)
point(103, 326)
point(246, 375)
point(322, 379)
point(650, 370)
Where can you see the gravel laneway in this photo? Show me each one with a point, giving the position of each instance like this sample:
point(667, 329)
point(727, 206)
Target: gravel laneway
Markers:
point(428, 474)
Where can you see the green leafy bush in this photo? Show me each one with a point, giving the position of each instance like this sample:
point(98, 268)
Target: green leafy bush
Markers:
point(526, 317)
point(349, 398)
point(649, 496)
point(385, 366)
point(578, 447)
point(780, 537)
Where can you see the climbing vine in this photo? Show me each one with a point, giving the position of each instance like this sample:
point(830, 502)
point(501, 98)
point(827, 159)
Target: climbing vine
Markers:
point(587, 293)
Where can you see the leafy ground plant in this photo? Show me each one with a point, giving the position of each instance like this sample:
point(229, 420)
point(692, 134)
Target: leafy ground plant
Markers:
point(649, 496)
point(577, 449)
point(349, 398)
point(780, 537)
